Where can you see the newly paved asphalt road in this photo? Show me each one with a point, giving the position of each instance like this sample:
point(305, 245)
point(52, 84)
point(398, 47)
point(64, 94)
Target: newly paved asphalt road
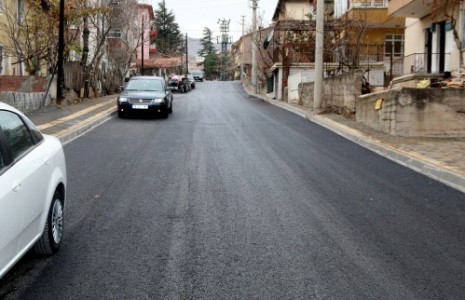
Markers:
point(233, 198)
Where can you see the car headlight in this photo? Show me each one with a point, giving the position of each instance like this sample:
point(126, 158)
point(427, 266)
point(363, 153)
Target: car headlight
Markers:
point(122, 99)
point(158, 100)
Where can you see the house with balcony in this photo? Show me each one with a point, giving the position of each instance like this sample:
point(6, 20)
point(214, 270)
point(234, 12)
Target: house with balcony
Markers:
point(369, 38)
point(433, 32)
point(145, 18)
point(419, 102)
point(291, 48)
point(241, 52)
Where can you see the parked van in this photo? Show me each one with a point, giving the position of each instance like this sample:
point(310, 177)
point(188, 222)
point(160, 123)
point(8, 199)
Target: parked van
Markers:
point(198, 75)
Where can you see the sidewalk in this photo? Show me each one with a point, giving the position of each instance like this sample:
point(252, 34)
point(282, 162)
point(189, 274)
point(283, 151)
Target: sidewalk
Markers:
point(71, 121)
point(442, 159)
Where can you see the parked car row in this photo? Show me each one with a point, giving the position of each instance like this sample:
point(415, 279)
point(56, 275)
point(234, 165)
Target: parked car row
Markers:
point(145, 95)
point(152, 95)
point(181, 83)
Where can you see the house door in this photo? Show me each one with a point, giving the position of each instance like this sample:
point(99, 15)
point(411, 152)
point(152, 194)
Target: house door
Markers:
point(436, 48)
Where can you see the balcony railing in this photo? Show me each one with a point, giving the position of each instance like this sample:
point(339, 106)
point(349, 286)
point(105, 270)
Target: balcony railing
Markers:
point(420, 63)
point(369, 3)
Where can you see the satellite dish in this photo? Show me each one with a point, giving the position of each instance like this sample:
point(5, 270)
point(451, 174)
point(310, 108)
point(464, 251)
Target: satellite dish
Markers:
point(268, 40)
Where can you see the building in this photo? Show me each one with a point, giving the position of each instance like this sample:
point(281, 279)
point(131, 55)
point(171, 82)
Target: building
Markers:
point(369, 36)
point(434, 35)
point(145, 18)
point(14, 48)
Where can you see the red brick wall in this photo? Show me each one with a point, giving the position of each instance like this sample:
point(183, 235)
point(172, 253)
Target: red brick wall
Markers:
point(19, 84)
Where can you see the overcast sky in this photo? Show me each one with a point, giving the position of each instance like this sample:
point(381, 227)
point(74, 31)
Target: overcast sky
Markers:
point(194, 15)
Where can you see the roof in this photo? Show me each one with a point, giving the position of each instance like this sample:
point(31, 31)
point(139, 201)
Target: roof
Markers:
point(161, 62)
point(149, 8)
point(278, 9)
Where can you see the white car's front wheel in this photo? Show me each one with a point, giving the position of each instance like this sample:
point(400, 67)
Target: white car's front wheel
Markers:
point(52, 236)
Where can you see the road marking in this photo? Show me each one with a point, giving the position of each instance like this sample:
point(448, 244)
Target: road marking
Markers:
point(72, 116)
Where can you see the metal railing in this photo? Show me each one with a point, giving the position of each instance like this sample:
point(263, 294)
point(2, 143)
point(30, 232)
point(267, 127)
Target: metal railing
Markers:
point(419, 63)
point(369, 3)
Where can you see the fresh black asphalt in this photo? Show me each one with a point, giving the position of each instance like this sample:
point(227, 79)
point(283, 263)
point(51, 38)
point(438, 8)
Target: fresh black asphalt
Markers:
point(233, 198)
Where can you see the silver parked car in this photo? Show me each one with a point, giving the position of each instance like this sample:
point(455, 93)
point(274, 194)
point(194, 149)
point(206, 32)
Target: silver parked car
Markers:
point(32, 189)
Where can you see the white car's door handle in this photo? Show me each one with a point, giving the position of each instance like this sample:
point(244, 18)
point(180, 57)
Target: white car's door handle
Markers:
point(16, 186)
point(47, 161)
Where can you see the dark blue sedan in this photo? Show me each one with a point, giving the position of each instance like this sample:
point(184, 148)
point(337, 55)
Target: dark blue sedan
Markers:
point(145, 95)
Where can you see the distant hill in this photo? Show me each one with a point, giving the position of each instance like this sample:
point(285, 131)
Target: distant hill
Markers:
point(194, 45)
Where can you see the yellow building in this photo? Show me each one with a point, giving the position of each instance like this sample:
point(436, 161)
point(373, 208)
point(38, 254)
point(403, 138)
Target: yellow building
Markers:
point(25, 37)
point(9, 63)
point(372, 34)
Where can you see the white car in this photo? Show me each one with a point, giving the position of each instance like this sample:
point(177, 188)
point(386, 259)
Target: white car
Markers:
point(32, 189)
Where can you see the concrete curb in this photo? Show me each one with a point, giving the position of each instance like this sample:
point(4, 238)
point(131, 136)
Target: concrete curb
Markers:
point(418, 163)
point(72, 133)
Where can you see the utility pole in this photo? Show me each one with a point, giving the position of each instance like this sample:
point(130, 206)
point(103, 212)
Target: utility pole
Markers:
point(254, 46)
point(187, 57)
point(242, 49)
point(319, 40)
point(225, 40)
point(143, 42)
point(61, 50)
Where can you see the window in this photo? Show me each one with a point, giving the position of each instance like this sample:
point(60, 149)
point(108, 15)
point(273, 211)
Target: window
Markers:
point(18, 136)
point(394, 44)
point(116, 33)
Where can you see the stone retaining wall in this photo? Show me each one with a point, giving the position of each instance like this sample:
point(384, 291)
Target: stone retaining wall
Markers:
point(340, 93)
point(415, 112)
point(25, 102)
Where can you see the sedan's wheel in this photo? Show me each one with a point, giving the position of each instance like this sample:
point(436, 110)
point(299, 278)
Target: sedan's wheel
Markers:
point(52, 235)
point(120, 114)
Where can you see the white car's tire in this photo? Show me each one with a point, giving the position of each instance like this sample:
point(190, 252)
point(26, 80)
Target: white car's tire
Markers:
point(51, 238)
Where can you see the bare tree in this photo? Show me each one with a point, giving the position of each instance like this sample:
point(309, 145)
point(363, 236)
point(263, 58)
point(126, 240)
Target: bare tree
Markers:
point(111, 34)
point(120, 58)
point(31, 36)
point(350, 40)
